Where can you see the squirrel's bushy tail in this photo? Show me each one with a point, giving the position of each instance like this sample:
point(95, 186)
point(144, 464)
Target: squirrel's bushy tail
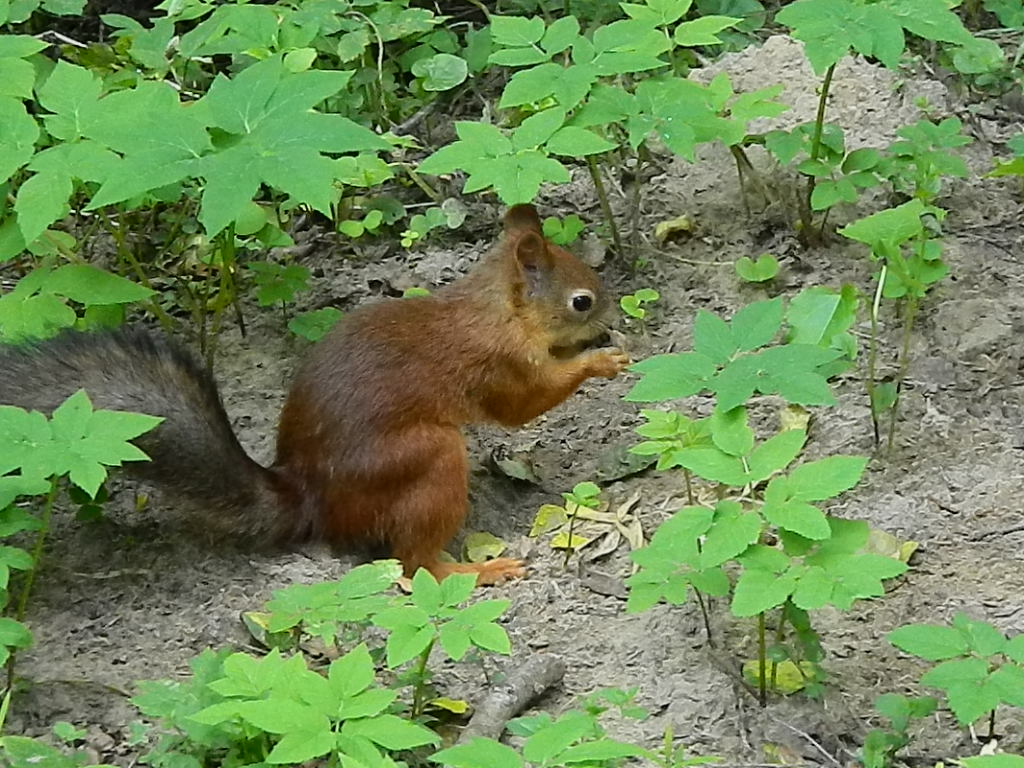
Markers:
point(194, 452)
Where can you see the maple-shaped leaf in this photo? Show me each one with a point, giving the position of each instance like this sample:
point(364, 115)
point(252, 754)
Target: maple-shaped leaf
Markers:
point(276, 138)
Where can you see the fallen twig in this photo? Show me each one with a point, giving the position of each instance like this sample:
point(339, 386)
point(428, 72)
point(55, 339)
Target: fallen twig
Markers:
point(506, 700)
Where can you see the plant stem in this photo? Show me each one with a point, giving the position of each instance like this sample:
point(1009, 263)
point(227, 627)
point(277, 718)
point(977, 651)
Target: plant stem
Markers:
point(819, 123)
point(419, 692)
point(30, 577)
point(908, 328)
point(642, 157)
point(707, 621)
point(606, 206)
point(869, 381)
point(572, 524)
point(689, 487)
point(762, 683)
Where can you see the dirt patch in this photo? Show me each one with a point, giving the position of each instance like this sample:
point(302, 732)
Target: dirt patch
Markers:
point(135, 597)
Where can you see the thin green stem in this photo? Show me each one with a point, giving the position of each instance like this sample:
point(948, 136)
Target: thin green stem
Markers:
point(762, 682)
point(568, 544)
point(30, 576)
point(779, 633)
point(908, 329)
point(606, 206)
point(420, 690)
point(688, 480)
point(707, 619)
point(806, 214)
point(869, 381)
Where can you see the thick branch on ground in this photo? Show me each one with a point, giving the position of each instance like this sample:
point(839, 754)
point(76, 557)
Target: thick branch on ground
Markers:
point(508, 699)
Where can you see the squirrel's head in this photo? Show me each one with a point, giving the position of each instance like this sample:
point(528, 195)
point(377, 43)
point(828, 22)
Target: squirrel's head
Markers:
point(556, 290)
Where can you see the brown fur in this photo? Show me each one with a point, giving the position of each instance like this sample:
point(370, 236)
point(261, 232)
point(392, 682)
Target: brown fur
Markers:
point(369, 441)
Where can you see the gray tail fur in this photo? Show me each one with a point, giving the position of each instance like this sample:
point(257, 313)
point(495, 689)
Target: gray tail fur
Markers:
point(194, 452)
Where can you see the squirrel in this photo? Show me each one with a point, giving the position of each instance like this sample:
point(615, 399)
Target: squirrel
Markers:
point(369, 446)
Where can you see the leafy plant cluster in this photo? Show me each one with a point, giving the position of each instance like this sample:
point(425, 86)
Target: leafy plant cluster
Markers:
point(367, 704)
point(763, 542)
point(78, 443)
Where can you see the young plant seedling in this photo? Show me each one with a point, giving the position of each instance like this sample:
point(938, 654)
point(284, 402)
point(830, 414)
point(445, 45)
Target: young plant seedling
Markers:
point(761, 271)
point(633, 303)
point(881, 745)
point(911, 262)
point(979, 667)
point(563, 231)
point(829, 30)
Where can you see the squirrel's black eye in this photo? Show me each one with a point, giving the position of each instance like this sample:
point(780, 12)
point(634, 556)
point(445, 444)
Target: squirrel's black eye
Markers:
point(582, 302)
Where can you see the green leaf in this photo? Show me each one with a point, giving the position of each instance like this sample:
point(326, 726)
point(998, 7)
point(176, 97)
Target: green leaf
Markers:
point(703, 31)
point(713, 464)
point(407, 642)
point(669, 377)
point(930, 642)
point(798, 517)
point(765, 268)
point(441, 72)
point(314, 325)
point(14, 634)
point(91, 286)
point(825, 478)
point(391, 732)
point(479, 753)
point(775, 453)
point(732, 531)
point(552, 739)
point(730, 432)
point(713, 338)
point(516, 31)
point(42, 199)
point(758, 591)
point(538, 128)
point(578, 142)
point(893, 225)
point(18, 138)
point(756, 324)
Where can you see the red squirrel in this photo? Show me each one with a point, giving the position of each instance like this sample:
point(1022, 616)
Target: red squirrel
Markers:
point(369, 447)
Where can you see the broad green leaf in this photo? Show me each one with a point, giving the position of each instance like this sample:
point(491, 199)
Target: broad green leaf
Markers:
point(892, 225)
point(479, 753)
point(516, 31)
point(441, 72)
point(775, 453)
point(713, 464)
point(756, 324)
point(578, 142)
point(730, 432)
point(798, 517)
point(352, 673)
point(89, 285)
point(765, 268)
point(713, 338)
point(732, 531)
point(42, 199)
point(704, 30)
point(826, 478)
point(538, 128)
point(758, 591)
point(17, 140)
point(550, 740)
point(669, 377)
point(930, 642)
point(391, 732)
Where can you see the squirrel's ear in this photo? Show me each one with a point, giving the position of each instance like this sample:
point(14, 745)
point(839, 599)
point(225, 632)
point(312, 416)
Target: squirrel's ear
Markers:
point(522, 218)
point(531, 252)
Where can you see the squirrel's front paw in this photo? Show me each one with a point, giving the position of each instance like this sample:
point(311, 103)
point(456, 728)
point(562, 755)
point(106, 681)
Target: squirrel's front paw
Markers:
point(607, 363)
